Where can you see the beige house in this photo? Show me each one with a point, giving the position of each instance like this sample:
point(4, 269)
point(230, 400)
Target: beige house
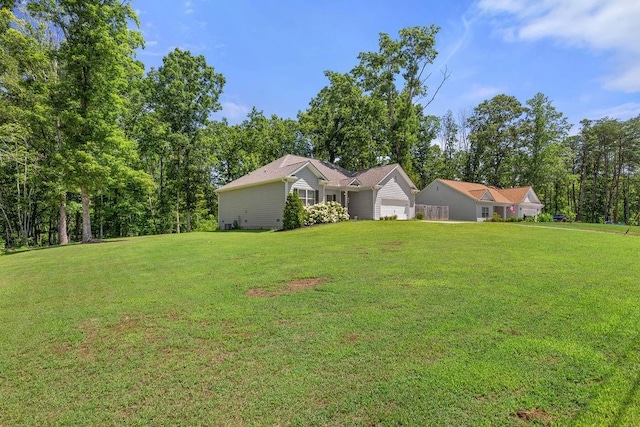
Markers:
point(477, 202)
point(257, 199)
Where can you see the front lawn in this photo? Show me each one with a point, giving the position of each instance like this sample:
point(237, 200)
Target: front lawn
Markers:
point(358, 323)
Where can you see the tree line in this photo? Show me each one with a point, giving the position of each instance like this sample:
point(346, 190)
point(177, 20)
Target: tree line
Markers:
point(94, 146)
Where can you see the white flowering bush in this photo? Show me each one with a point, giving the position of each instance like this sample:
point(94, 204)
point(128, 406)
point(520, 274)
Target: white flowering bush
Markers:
point(325, 213)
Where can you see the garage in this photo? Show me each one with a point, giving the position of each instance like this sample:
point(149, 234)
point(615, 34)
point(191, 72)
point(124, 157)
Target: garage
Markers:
point(391, 207)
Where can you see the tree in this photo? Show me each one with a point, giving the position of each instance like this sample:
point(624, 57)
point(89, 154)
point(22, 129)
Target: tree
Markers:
point(495, 127)
point(448, 135)
point(343, 124)
point(543, 126)
point(405, 59)
point(96, 55)
point(184, 92)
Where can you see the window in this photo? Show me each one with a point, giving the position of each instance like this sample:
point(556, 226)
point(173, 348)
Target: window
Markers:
point(308, 197)
point(332, 198)
point(485, 212)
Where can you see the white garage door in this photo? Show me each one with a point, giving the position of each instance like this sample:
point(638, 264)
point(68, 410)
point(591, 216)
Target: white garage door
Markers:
point(390, 207)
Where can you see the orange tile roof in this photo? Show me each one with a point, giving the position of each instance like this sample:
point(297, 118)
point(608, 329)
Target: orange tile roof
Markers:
point(476, 191)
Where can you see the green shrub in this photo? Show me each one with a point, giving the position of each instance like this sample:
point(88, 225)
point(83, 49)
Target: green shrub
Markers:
point(208, 223)
point(420, 215)
point(570, 214)
point(514, 219)
point(544, 217)
point(294, 213)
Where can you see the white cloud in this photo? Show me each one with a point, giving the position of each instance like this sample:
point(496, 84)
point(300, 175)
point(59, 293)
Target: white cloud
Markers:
point(479, 93)
point(622, 112)
point(601, 25)
point(234, 112)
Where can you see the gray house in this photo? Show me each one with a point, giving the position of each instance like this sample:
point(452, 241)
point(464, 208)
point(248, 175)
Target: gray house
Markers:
point(257, 199)
point(477, 202)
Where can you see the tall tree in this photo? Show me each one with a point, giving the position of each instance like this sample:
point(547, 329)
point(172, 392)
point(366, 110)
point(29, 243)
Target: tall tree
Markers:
point(96, 54)
point(448, 136)
point(343, 124)
point(543, 126)
point(185, 91)
point(397, 75)
point(495, 136)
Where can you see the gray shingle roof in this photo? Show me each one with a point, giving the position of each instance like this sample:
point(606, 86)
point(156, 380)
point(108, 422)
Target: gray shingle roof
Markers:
point(287, 165)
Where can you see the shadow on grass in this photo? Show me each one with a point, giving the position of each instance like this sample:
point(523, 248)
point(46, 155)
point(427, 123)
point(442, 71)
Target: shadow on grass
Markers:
point(42, 248)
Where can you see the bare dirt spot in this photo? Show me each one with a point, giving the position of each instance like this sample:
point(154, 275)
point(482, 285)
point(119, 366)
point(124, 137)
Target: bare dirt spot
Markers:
point(90, 329)
point(296, 285)
point(352, 338)
point(396, 243)
point(534, 415)
point(60, 349)
point(511, 331)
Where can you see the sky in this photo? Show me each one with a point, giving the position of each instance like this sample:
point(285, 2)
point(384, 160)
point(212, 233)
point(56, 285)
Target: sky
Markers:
point(584, 55)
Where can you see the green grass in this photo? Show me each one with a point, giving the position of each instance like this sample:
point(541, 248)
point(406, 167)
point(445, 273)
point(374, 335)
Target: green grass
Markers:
point(415, 324)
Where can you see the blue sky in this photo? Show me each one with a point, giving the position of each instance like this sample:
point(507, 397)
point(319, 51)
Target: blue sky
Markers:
point(583, 54)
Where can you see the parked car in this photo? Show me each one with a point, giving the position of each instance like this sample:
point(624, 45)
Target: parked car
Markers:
point(560, 218)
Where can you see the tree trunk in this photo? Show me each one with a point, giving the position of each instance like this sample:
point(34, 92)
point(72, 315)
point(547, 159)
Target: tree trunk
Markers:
point(178, 213)
point(86, 218)
point(63, 237)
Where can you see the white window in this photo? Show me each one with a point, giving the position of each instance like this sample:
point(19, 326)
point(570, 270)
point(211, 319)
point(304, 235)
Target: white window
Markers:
point(308, 197)
point(331, 198)
point(485, 212)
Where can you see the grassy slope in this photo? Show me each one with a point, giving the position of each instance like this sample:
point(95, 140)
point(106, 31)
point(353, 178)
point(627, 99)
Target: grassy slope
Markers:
point(418, 323)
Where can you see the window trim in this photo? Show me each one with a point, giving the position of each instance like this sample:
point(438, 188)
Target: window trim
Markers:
point(308, 197)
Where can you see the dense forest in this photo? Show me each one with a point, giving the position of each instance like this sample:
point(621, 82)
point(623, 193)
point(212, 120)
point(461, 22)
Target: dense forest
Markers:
point(94, 146)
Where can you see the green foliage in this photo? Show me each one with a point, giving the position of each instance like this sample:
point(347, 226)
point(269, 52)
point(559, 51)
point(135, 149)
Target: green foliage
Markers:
point(420, 215)
point(544, 217)
point(294, 213)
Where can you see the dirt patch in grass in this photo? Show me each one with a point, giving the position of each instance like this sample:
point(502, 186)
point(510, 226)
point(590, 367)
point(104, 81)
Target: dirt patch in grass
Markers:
point(395, 243)
point(296, 285)
point(534, 415)
point(510, 331)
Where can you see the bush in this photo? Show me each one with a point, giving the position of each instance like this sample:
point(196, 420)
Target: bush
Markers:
point(514, 219)
point(570, 214)
point(294, 213)
point(420, 215)
point(325, 213)
point(208, 223)
point(544, 217)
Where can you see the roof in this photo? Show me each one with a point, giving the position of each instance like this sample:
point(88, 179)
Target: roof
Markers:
point(288, 165)
point(477, 191)
point(517, 195)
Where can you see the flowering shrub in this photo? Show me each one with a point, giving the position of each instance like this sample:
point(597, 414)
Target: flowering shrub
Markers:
point(325, 213)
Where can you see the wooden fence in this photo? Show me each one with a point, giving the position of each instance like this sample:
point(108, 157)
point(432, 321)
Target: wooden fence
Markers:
point(433, 213)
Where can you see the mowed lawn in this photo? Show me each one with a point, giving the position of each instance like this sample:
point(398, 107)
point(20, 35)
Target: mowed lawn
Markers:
point(360, 323)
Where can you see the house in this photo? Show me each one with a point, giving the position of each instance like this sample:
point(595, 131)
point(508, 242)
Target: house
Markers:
point(257, 199)
point(476, 202)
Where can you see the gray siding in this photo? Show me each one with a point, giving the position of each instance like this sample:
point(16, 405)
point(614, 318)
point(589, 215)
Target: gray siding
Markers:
point(361, 204)
point(253, 207)
point(461, 207)
point(394, 187)
point(307, 180)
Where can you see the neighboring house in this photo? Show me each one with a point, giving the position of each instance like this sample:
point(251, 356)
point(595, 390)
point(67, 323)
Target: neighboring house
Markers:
point(477, 202)
point(257, 199)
